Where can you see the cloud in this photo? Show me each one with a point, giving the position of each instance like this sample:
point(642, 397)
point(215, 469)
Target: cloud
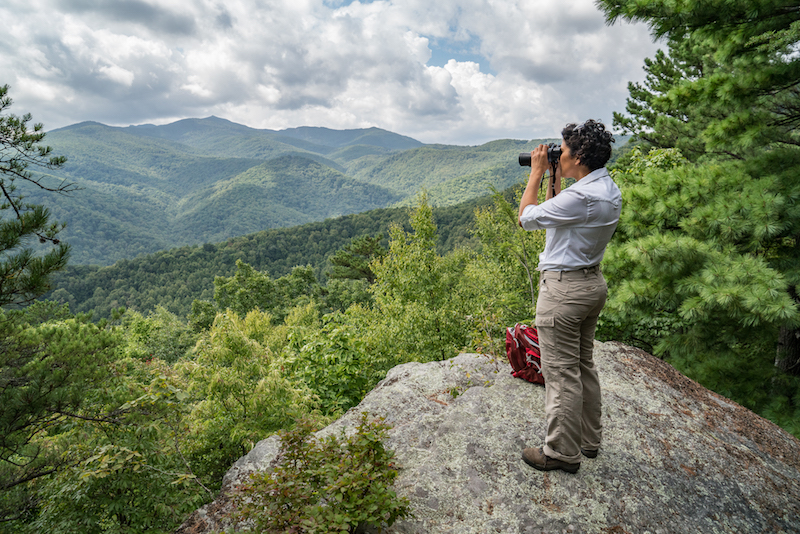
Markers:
point(457, 71)
point(156, 18)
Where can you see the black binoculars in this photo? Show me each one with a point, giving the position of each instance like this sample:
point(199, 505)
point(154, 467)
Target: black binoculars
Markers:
point(553, 155)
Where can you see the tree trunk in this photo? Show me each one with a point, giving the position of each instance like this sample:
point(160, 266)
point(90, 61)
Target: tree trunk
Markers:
point(787, 358)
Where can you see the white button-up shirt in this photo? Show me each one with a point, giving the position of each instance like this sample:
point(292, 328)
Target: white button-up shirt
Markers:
point(579, 222)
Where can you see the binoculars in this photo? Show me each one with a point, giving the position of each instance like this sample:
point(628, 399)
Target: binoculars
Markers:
point(553, 155)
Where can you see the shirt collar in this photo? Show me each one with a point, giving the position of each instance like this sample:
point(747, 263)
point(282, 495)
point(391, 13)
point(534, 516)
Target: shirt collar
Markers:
point(592, 176)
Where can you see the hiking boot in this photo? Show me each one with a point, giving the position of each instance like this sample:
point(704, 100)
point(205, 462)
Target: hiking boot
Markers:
point(537, 459)
point(589, 453)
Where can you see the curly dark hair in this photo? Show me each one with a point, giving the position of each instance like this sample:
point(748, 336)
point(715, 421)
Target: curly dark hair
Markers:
point(589, 142)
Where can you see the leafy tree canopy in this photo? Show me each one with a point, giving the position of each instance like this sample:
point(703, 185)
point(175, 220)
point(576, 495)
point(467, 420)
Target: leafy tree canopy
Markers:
point(730, 82)
point(352, 261)
point(46, 374)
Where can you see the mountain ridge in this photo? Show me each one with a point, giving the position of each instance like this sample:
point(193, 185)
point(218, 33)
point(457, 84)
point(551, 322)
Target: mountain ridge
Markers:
point(174, 277)
point(146, 188)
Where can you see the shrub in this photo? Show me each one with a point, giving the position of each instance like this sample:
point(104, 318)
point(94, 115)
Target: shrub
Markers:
point(329, 485)
point(240, 393)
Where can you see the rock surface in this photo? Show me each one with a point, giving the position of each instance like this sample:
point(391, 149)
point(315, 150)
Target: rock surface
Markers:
point(676, 458)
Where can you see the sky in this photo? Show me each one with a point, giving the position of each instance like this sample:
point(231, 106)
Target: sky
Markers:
point(459, 72)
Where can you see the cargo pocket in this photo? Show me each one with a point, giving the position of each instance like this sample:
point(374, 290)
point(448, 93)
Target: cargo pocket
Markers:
point(545, 327)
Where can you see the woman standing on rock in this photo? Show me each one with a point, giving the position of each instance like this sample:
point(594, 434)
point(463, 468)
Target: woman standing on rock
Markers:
point(579, 223)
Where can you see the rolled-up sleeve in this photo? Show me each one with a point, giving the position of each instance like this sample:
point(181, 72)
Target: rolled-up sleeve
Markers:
point(565, 210)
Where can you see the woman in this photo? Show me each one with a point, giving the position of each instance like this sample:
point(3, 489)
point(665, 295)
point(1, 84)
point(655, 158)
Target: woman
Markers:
point(579, 223)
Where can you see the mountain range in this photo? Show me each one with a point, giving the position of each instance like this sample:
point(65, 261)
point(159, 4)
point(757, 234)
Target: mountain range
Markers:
point(148, 188)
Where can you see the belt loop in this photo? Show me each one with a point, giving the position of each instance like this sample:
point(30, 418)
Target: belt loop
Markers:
point(559, 275)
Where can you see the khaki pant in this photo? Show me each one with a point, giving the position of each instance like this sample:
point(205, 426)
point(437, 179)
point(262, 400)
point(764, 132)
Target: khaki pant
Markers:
point(566, 316)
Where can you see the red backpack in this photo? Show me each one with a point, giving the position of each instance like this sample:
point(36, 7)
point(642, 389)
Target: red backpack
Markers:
point(522, 349)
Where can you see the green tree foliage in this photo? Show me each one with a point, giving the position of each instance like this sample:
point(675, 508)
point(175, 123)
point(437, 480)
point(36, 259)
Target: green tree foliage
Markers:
point(654, 117)
point(712, 250)
point(148, 442)
point(240, 393)
point(249, 290)
point(46, 371)
point(41, 311)
point(340, 294)
point(177, 277)
point(426, 307)
point(515, 250)
point(507, 261)
point(696, 244)
point(24, 274)
point(161, 335)
point(429, 306)
point(701, 267)
point(418, 293)
point(353, 261)
point(326, 485)
point(132, 475)
point(90, 442)
point(732, 78)
point(336, 362)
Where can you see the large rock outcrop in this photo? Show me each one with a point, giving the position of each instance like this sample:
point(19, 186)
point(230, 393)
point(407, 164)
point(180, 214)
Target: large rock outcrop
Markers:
point(676, 458)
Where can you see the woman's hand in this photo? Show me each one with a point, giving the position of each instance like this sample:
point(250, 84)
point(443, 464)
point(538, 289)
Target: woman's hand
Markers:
point(539, 162)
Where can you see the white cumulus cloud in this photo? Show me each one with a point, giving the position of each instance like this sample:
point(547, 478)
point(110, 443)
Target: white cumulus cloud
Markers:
point(451, 71)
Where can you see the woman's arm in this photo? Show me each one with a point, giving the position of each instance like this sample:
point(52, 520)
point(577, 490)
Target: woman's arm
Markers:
point(539, 165)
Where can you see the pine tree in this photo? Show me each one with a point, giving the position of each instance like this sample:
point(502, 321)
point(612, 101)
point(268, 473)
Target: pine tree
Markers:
point(47, 372)
point(700, 272)
point(729, 88)
point(731, 80)
point(353, 260)
point(45, 369)
point(24, 273)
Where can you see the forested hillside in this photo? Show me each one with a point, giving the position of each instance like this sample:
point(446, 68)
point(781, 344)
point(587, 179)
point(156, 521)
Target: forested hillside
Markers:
point(174, 278)
point(147, 188)
point(437, 165)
